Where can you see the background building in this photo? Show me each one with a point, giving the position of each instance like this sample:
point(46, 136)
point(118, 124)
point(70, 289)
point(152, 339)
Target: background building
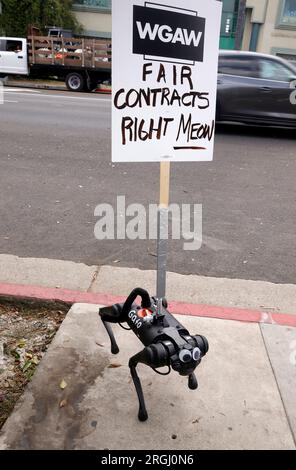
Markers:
point(95, 17)
point(257, 25)
point(270, 27)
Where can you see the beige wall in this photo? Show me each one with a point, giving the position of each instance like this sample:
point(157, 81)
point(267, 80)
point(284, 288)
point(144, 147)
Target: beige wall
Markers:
point(95, 22)
point(270, 38)
point(258, 8)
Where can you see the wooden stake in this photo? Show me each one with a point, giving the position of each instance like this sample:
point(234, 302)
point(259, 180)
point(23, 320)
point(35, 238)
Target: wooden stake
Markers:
point(164, 198)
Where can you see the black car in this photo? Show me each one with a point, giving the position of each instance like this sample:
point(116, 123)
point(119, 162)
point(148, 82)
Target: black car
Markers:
point(256, 89)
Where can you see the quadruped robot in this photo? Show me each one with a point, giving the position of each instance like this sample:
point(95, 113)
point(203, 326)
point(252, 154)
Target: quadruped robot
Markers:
point(166, 341)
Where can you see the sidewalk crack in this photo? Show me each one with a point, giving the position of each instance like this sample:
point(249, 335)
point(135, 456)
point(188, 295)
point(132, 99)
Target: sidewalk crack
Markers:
point(94, 278)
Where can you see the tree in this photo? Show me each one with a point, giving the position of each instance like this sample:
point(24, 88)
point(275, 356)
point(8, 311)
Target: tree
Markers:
point(17, 16)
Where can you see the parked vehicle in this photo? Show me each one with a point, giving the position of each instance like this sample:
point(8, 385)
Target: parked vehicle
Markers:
point(255, 89)
point(81, 62)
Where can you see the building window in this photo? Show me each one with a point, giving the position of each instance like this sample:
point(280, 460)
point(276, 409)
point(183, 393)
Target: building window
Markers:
point(104, 5)
point(287, 54)
point(289, 57)
point(287, 14)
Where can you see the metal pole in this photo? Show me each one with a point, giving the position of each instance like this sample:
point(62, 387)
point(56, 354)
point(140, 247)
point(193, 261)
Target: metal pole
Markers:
point(162, 250)
point(162, 229)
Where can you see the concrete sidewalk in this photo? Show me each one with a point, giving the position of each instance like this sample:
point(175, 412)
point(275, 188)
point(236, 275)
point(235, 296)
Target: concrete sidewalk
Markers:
point(247, 381)
point(238, 405)
point(232, 293)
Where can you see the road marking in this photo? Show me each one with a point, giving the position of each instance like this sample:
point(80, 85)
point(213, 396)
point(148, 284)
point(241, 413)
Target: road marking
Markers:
point(63, 97)
point(9, 101)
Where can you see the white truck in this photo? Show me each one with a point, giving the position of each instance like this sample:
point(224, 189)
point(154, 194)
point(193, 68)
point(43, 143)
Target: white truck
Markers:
point(81, 62)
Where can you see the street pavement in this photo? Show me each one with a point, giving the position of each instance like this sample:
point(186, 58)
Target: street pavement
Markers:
point(55, 169)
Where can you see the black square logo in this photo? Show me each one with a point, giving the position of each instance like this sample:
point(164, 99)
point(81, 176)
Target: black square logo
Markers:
point(168, 34)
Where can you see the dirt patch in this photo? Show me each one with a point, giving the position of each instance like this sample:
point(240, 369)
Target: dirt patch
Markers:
point(26, 330)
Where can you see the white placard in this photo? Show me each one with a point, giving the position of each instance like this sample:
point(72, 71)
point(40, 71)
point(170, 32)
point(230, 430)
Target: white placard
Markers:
point(164, 79)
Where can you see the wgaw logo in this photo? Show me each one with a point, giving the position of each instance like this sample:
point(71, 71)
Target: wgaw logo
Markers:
point(166, 34)
point(163, 33)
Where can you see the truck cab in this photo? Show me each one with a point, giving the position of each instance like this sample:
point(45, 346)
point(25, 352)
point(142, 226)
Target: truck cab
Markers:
point(59, 32)
point(13, 56)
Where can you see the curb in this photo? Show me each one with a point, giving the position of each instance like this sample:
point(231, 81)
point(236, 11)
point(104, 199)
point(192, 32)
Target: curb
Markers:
point(49, 87)
point(207, 311)
point(36, 86)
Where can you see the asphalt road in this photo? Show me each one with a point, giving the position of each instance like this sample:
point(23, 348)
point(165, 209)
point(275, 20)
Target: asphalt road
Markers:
point(55, 169)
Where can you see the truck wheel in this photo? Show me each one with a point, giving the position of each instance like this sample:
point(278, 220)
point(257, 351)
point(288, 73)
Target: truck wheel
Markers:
point(75, 82)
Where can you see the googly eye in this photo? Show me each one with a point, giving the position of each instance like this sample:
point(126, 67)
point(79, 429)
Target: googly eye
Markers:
point(185, 355)
point(196, 354)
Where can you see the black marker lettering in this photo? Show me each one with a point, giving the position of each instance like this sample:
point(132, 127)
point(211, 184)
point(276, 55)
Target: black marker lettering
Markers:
point(143, 135)
point(165, 94)
point(161, 74)
point(136, 126)
point(155, 93)
point(129, 97)
point(196, 130)
point(203, 96)
point(155, 129)
point(176, 97)
point(126, 124)
point(184, 128)
point(175, 75)
point(189, 102)
point(116, 99)
point(166, 123)
point(186, 73)
point(146, 71)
